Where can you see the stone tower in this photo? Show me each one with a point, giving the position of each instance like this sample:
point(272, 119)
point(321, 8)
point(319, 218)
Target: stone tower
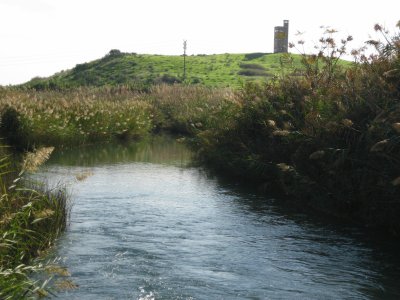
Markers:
point(281, 38)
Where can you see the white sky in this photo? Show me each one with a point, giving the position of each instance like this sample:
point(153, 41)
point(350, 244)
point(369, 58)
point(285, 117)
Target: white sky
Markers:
point(41, 37)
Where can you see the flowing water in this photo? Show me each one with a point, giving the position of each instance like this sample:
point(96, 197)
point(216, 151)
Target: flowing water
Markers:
point(146, 225)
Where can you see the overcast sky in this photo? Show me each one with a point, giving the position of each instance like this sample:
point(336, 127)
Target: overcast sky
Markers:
point(41, 37)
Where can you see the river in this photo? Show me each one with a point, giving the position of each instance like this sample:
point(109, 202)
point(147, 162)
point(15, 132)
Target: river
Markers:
point(145, 224)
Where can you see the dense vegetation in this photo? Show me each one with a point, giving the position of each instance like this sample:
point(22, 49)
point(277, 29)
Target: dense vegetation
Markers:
point(72, 117)
point(326, 134)
point(30, 119)
point(330, 138)
point(141, 71)
point(30, 221)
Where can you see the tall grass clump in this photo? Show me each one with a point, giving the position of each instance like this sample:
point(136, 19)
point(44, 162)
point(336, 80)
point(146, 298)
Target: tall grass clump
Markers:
point(30, 221)
point(329, 136)
point(191, 109)
point(72, 117)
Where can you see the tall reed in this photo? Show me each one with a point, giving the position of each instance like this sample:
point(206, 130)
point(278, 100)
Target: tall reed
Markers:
point(30, 221)
point(73, 117)
point(88, 115)
point(190, 109)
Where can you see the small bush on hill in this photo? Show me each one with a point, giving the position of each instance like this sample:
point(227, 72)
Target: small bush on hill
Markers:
point(253, 72)
point(252, 66)
point(255, 55)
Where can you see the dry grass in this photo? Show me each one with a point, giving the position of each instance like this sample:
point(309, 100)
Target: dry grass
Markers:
point(32, 160)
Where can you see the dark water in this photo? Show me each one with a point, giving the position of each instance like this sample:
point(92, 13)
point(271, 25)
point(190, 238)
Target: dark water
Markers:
point(144, 225)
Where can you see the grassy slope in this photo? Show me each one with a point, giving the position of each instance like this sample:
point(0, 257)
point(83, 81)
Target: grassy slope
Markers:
point(217, 70)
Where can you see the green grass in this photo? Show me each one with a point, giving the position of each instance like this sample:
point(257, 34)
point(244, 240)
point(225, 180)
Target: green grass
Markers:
point(143, 70)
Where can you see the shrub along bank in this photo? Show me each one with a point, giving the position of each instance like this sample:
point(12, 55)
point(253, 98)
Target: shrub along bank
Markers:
point(330, 138)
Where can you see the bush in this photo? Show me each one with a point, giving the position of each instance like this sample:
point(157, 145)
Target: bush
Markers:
point(11, 128)
point(168, 79)
point(252, 66)
point(255, 55)
point(253, 72)
point(329, 137)
point(114, 53)
point(196, 80)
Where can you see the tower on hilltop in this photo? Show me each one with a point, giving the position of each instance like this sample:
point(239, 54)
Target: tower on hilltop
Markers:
point(281, 38)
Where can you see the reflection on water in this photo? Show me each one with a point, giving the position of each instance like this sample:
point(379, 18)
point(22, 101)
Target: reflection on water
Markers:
point(162, 149)
point(147, 226)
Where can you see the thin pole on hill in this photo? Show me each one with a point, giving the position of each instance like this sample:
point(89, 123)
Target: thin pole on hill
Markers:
point(184, 59)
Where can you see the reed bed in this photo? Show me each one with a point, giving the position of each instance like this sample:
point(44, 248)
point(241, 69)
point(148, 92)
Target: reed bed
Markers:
point(191, 109)
point(89, 115)
point(75, 117)
point(30, 221)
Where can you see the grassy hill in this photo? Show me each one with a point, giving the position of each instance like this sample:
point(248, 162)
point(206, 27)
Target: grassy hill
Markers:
point(217, 70)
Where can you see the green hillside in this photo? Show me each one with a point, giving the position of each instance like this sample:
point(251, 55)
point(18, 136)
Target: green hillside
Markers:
point(218, 70)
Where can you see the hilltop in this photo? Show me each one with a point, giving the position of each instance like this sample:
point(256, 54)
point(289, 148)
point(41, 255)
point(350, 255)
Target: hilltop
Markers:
point(216, 70)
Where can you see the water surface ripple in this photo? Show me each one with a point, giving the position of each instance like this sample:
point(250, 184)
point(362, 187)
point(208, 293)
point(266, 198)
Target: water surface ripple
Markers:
point(146, 226)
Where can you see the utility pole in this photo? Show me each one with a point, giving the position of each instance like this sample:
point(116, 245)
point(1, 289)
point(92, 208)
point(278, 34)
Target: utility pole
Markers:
point(184, 59)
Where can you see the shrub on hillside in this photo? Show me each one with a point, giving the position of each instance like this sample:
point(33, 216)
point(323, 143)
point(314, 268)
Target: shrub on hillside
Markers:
point(253, 72)
point(167, 79)
point(252, 66)
point(255, 55)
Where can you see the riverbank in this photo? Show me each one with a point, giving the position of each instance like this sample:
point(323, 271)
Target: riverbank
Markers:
point(31, 219)
point(330, 138)
point(326, 135)
point(146, 223)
